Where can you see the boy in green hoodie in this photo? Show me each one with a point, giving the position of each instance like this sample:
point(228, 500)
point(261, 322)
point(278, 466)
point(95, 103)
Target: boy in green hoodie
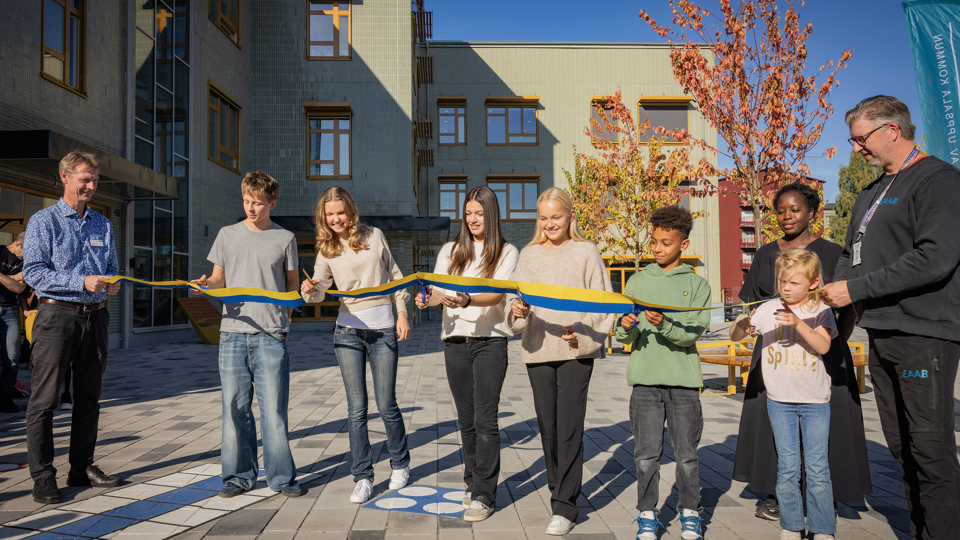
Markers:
point(664, 370)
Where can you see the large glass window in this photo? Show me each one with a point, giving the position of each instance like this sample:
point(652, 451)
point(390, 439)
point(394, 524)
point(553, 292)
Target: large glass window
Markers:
point(328, 138)
point(63, 43)
point(671, 113)
point(512, 123)
point(226, 15)
point(328, 30)
point(161, 82)
point(517, 198)
point(452, 122)
point(453, 192)
point(223, 130)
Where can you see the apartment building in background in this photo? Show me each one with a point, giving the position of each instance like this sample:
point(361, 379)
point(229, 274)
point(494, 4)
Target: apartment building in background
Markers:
point(179, 99)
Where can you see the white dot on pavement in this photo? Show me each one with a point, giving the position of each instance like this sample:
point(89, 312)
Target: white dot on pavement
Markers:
point(442, 508)
point(395, 502)
point(454, 495)
point(417, 491)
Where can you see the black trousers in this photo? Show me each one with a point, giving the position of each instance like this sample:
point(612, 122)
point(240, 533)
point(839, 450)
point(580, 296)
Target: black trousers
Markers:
point(65, 336)
point(913, 377)
point(476, 368)
point(560, 399)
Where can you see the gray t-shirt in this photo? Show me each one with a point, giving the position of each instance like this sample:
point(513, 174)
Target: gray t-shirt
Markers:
point(258, 259)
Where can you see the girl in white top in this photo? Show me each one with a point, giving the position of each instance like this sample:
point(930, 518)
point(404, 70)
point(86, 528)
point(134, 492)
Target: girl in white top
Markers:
point(356, 256)
point(797, 330)
point(475, 343)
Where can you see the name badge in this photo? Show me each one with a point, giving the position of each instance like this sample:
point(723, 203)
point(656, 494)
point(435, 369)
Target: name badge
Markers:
point(855, 260)
point(96, 242)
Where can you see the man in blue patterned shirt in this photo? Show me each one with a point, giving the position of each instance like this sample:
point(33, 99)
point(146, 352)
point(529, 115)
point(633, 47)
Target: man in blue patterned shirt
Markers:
point(68, 254)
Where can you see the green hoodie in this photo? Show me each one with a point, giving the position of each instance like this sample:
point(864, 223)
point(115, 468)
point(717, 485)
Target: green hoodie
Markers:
point(666, 355)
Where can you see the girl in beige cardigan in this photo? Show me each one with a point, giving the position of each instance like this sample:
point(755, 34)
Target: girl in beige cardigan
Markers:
point(559, 347)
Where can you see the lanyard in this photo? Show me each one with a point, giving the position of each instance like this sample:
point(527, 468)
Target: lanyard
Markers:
point(876, 204)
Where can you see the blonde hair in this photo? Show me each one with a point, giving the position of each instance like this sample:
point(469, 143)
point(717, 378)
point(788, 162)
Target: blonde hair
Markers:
point(328, 243)
point(561, 196)
point(74, 159)
point(260, 184)
point(799, 261)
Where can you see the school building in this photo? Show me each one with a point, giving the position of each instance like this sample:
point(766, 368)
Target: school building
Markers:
point(179, 99)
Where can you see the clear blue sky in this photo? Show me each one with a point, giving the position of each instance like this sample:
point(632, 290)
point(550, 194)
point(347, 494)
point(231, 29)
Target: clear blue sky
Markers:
point(875, 31)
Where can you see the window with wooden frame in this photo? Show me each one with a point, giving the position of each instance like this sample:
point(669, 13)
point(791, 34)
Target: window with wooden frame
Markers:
point(328, 30)
point(452, 121)
point(601, 112)
point(226, 15)
point(671, 112)
point(328, 139)
point(512, 120)
point(64, 37)
point(453, 193)
point(516, 195)
point(223, 129)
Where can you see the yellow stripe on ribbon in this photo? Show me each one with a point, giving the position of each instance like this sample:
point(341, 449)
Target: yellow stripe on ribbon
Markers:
point(554, 297)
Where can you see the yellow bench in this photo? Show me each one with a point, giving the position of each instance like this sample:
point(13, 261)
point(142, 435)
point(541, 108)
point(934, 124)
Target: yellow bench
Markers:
point(204, 317)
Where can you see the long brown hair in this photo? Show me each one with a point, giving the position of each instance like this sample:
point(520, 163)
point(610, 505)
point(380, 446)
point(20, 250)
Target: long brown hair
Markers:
point(328, 243)
point(493, 241)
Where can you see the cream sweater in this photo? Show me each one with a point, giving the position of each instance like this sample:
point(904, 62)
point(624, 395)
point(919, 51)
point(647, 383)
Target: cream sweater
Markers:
point(357, 270)
point(475, 321)
point(574, 264)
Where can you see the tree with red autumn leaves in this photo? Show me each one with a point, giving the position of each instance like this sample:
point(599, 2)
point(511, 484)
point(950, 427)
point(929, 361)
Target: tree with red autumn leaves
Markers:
point(754, 91)
point(616, 190)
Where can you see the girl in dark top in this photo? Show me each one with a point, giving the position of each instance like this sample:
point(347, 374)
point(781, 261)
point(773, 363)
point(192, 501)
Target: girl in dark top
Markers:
point(756, 459)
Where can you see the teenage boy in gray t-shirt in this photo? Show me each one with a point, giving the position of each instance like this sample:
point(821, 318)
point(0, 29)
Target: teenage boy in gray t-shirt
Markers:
point(253, 350)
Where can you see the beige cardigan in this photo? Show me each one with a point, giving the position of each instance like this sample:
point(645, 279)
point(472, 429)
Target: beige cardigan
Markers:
point(574, 264)
point(356, 270)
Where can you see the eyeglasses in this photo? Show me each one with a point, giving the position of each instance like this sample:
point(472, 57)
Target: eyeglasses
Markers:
point(861, 139)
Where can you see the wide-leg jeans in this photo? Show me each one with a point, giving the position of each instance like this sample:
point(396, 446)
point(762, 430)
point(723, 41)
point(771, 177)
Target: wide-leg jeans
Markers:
point(248, 363)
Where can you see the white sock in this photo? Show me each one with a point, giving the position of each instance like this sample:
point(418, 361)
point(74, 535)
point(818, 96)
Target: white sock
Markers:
point(648, 515)
point(688, 512)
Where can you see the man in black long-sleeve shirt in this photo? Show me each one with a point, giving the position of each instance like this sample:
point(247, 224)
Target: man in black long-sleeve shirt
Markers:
point(899, 268)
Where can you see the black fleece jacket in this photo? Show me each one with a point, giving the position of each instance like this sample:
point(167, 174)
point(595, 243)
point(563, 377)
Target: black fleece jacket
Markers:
point(908, 279)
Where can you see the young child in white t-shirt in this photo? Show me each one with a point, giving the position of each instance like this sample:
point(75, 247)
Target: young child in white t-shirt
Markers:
point(797, 329)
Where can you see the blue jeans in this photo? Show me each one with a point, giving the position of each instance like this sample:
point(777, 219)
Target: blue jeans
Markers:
point(248, 362)
point(354, 348)
point(9, 349)
point(810, 422)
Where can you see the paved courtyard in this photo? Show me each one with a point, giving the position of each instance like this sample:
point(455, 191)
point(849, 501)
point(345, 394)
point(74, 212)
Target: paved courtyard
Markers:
point(160, 430)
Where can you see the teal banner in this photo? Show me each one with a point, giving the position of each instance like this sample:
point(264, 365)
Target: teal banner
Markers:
point(934, 28)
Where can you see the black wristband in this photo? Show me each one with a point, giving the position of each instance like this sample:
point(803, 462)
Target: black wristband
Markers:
point(469, 301)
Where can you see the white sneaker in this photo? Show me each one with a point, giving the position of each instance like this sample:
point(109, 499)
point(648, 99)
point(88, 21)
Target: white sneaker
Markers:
point(822, 536)
point(477, 512)
point(399, 478)
point(466, 499)
point(362, 492)
point(790, 535)
point(559, 526)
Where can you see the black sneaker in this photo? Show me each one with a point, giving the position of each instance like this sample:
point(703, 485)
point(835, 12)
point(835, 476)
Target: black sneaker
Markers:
point(230, 490)
point(45, 490)
point(769, 509)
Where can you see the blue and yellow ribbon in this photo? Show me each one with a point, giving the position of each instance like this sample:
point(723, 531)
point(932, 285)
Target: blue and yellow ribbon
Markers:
point(553, 297)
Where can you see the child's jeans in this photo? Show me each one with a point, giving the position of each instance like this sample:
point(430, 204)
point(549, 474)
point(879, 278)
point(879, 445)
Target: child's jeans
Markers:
point(811, 422)
point(680, 407)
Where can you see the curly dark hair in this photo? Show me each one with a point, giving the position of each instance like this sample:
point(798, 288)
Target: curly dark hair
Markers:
point(672, 218)
point(807, 192)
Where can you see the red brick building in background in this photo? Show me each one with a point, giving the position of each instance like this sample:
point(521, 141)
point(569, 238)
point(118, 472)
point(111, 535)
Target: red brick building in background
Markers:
point(737, 239)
